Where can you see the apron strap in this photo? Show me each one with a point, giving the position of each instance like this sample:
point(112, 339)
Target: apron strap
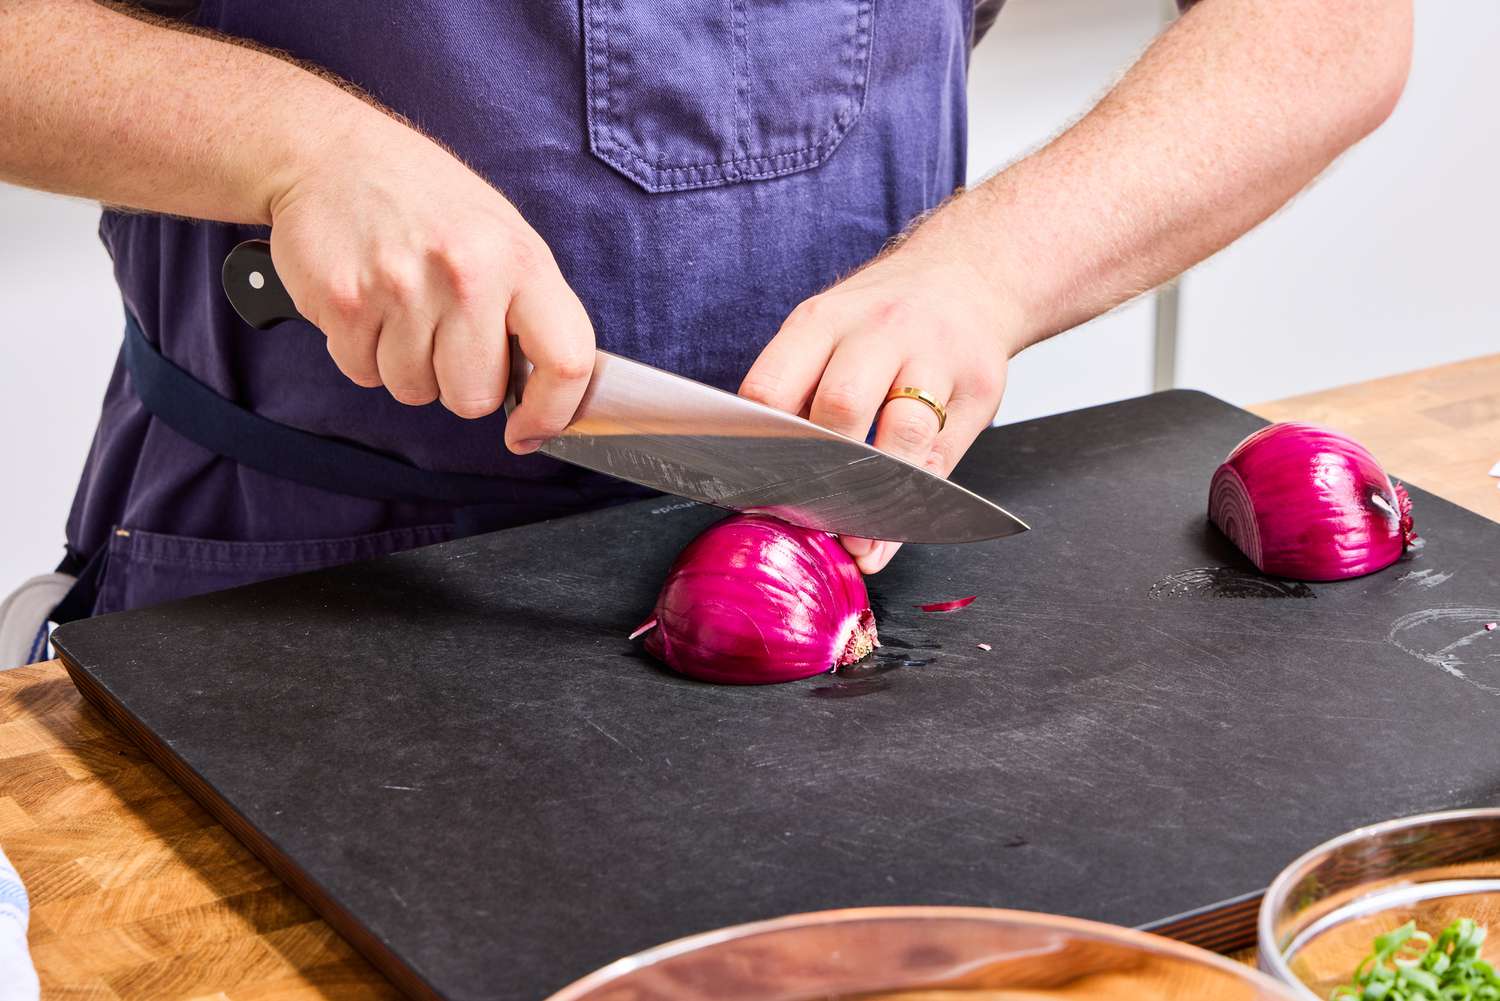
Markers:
point(78, 603)
point(205, 418)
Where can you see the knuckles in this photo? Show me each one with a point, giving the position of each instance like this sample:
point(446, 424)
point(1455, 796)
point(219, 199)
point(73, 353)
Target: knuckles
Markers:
point(573, 365)
point(839, 403)
point(893, 314)
point(808, 311)
point(944, 456)
point(464, 267)
point(987, 382)
point(910, 428)
point(461, 269)
point(762, 388)
point(399, 281)
point(343, 297)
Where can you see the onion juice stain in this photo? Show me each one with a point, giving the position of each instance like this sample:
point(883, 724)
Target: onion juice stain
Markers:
point(866, 677)
point(1226, 582)
point(851, 689)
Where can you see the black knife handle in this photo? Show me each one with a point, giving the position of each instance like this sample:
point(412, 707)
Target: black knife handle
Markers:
point(257, 294)
point(254, 288)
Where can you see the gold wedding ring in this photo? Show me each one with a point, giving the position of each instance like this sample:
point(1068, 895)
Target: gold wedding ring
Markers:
point(922, 396)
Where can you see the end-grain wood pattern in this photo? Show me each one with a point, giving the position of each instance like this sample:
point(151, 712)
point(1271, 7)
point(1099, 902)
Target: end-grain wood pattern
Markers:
point(137, 892)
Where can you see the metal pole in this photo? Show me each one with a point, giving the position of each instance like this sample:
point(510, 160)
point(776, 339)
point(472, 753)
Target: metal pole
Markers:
point(1164, 345)
point(1168, 297)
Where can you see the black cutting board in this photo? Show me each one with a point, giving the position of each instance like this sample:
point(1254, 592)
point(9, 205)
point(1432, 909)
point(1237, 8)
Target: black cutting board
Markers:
point(455, 754)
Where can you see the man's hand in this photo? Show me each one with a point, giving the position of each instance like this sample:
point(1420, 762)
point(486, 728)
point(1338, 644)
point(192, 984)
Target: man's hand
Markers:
point(1230, 113)
point(415, 268)
point(410, 262)
point(917, 316)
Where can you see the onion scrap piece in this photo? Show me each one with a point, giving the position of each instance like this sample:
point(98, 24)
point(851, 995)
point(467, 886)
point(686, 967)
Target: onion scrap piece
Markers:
point(948, 606)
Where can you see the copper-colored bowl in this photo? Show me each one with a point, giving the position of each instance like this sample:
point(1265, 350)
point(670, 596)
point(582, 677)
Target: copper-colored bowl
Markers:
point(924, 954)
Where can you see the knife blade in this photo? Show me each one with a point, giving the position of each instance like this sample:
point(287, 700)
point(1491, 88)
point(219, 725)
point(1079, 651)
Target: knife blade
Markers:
point(661, 430)
point(673, 434)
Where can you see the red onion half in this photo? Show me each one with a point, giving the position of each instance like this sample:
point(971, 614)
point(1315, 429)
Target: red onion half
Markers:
point(754, 600)
point(1307, 503)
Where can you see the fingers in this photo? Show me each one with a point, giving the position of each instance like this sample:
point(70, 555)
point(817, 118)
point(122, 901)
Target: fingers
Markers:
point(907, 429)
point(970, 412)
point(335, 301)
point(558, 339)
point(425, 314)
point(403, 356)
point(787, 371)
point(434, 333)
point(854, 385)
point(968, 415)
point(469, 356)
point(352, 348)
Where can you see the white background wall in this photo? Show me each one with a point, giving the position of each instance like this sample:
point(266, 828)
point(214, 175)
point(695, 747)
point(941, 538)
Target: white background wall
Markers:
point(1383, 266)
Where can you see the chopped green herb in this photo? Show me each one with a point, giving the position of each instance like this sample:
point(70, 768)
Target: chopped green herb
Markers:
point(1408, 965)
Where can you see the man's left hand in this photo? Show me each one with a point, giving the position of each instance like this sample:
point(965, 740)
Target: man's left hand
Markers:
point(913, 317)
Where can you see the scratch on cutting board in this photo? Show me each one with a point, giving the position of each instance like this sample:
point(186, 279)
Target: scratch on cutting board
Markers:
point(606, 733)
point(399, 899)
point(613, 738)
point(1424, 578)
point(404, 788)
point(1435, 635)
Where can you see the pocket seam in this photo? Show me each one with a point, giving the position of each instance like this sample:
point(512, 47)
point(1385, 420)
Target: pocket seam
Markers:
point(609, 146)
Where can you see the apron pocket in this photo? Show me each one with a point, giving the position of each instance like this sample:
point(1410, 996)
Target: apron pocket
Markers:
point(684, 94)
point(146, 568)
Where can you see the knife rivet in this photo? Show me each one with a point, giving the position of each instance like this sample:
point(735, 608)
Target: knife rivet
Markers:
point(257, 280)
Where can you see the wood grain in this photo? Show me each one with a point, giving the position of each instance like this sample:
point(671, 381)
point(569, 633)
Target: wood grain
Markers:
point(1439, 428)
point(137, 892)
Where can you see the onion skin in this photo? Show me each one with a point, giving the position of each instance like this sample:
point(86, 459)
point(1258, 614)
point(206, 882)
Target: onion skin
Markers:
point(1308, 503)
point(754, 601)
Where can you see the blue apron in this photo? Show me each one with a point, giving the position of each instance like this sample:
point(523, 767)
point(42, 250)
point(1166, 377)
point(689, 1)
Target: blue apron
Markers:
point(698, 168)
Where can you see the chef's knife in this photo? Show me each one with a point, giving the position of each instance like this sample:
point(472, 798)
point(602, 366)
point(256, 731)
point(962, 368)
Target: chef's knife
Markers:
point(670, 433)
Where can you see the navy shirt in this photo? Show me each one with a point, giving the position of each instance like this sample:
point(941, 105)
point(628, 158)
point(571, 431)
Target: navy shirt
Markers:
point(697, 169)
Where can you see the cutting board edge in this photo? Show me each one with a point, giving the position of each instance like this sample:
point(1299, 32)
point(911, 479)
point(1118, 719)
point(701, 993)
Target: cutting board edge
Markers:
point(1225, 927)
point(401, 976)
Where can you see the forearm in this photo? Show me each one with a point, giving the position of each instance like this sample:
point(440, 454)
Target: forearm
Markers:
point(1227, 116)
point(104, 106)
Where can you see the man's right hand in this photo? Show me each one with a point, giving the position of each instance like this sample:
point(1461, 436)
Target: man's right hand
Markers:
point(415, 268)
point(412, 264)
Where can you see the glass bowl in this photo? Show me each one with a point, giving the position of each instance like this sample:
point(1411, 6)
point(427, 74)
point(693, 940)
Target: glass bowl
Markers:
point(924, 954)
point(1320, 917)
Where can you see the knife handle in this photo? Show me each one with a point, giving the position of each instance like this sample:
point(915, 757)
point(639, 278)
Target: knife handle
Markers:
point(254, 288)
point(256, 292)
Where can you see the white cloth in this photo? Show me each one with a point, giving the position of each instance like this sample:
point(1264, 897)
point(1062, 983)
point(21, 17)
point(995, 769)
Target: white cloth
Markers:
point(17, 976)
point(22, 615)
